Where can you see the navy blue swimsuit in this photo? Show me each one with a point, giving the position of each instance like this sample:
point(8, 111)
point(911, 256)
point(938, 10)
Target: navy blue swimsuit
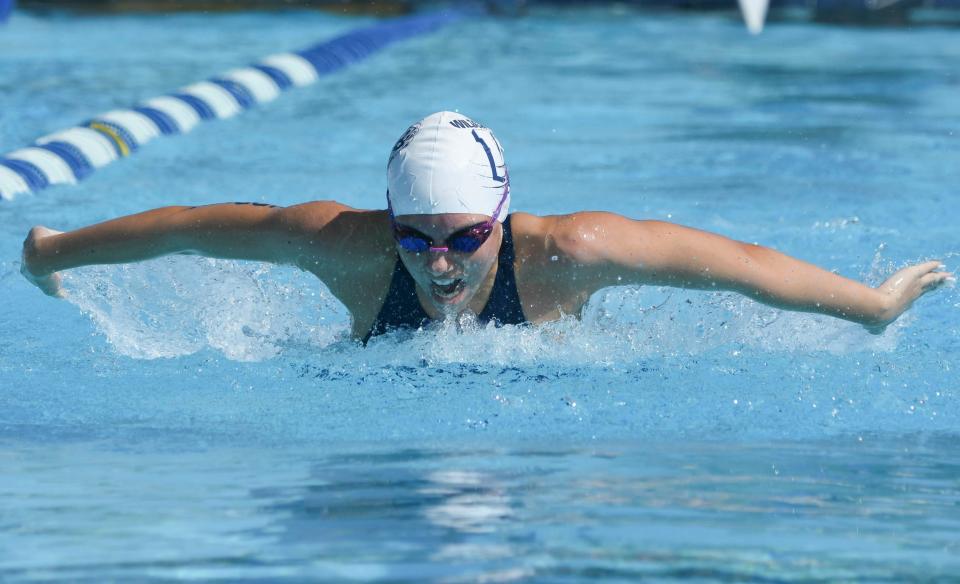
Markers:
point(402, 309)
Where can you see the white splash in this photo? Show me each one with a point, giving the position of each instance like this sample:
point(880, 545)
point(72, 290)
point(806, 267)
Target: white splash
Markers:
point(178, 306)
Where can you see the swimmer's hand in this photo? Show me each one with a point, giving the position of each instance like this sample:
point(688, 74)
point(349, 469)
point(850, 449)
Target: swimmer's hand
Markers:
point(903, 288)
point(30, 266)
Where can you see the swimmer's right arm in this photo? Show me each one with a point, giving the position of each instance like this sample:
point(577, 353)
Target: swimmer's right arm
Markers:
point(281, 235)
point(608, 250)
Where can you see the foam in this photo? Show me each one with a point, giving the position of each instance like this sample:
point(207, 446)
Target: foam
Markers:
point(255, 313)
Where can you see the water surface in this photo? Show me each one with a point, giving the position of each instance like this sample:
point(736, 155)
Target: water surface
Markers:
point(191, 419)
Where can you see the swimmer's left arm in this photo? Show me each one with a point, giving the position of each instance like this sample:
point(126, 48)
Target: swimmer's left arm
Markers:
point(258, 232)
point(613, 249)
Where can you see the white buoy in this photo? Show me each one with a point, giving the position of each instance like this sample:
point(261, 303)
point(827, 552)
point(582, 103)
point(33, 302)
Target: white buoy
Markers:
point(219, 99)
point(258, 83)
point(298, 69)
point(184, 116)
point(97, 149)
point(754, 14)
point(11, 184)
point(52, 166)
point(140, 127)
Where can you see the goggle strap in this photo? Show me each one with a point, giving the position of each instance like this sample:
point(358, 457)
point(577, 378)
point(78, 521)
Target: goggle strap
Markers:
point(503, 198)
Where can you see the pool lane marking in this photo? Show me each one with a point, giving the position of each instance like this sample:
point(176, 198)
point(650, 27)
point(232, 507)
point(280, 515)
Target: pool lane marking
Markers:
point(71, 155)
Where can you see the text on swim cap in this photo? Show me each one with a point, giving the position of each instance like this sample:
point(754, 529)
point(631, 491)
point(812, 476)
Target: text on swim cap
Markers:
point(466, 124)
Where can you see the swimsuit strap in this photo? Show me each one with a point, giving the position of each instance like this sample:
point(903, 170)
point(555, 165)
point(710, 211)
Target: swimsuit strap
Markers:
point(503, 306)
point(401, 308)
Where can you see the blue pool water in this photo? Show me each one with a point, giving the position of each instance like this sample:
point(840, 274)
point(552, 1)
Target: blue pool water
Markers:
point(191, 419)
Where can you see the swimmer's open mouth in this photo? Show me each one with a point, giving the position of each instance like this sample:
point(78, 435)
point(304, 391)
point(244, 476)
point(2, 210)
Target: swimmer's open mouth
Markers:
point(447, 288)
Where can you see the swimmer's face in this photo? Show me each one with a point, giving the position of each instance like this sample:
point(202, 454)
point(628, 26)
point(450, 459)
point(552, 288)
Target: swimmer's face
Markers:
point(450, 278)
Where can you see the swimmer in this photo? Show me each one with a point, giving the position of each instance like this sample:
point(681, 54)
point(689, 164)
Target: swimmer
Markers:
point(447, 244)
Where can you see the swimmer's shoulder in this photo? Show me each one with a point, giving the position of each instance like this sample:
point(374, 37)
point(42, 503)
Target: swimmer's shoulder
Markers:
point(353, 254)
point(535, 239)
point(549, 239)
point(338, 232)
point(552, 254)
point(544, 270)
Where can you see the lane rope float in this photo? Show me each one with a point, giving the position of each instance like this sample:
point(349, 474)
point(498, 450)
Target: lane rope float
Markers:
point(71, 155)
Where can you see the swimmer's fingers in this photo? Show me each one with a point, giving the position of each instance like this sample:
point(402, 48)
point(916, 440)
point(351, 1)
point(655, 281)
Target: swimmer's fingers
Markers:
point(923, 278)
point(932, 268)
point(904, 287)
point(914, 280)
point(934, 280)
point(49, 284)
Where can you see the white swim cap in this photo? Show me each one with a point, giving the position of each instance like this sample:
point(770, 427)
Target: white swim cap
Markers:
point(447, 163)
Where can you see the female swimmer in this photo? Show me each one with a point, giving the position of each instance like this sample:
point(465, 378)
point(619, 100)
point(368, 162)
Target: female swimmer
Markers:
point(446, 245)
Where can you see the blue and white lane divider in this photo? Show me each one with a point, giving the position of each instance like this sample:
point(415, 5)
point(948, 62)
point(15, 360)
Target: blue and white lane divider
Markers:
point(71, 155)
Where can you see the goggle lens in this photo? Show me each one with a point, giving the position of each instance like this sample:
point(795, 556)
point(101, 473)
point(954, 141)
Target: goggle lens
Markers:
point(471, 240)
point(466, 241)
point(412, 243)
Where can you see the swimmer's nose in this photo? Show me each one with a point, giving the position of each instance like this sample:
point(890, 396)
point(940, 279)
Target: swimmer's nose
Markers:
point(438, 262)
